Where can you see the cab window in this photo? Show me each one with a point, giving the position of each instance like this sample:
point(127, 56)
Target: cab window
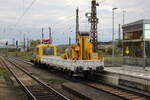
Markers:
point(48, 51)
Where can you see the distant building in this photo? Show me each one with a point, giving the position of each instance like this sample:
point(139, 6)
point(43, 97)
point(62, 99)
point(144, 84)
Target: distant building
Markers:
point(136, 43)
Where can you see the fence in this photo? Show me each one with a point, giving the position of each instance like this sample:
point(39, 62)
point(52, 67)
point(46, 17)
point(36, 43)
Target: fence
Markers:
point(133, 58)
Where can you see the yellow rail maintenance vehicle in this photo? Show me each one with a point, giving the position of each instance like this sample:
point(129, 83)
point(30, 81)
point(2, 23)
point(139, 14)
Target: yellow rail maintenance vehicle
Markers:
point(44, 50)
point(79, 58)
point(82, 50)
point(81, 54)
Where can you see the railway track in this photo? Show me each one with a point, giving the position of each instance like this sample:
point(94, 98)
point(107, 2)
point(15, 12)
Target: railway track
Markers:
point(123, 93)
point(21, 58)
point(33, 87)
point(25, 60)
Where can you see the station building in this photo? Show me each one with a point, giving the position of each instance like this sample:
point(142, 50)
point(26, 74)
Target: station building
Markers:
point(136, 43)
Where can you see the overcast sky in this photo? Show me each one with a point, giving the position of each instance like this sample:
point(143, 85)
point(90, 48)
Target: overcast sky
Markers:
point(19, 17)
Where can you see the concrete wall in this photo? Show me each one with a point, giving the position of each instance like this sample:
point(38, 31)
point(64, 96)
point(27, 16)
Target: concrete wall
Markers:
point(136, 61)
point(125, 81)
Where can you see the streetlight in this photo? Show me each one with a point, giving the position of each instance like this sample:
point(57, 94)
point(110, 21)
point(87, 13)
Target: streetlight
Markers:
point(124, 15)
point(113, 37)
point(124, 12)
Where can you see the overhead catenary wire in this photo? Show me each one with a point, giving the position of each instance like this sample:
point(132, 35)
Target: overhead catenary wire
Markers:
point(73, 16)
point(25, 11)
point(67, 19)
point(28, 8)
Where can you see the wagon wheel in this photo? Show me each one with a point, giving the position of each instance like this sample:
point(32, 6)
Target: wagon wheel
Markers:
point(70, 73)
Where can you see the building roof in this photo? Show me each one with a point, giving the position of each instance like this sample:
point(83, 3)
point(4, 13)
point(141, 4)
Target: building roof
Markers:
point(142, 21)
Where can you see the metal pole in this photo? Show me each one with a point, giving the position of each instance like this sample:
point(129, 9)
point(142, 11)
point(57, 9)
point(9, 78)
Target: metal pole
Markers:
point(94, 24)
point(77, 23)
point(122, 31)
point(16, 48)
point(124, 16)
point(13, 42)
point(144, 55)
point(27, 44)
point(144, 46)
point(42, 34)
point(6, 48)
point(6, 51)
point(69, 41)
point(24, 39)
point(50, 35)
point(119, 33)
point(113, 37)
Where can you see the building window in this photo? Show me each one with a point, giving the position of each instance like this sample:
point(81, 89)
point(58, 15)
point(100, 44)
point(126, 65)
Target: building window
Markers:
point(147, 31)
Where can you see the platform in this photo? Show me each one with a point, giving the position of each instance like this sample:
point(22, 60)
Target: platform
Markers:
point(134, 78)
point(138, 72)
point(88, 93)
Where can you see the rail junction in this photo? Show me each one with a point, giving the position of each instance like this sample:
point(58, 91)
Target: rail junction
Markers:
point(120, 93)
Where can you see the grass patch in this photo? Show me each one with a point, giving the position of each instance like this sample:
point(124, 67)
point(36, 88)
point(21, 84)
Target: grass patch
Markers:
point(6, 76)
point(2, 71)
point(116, 58)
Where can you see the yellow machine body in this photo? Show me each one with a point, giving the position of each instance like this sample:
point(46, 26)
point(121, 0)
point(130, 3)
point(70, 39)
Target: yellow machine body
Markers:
point(83, 50)
point(44, 50)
